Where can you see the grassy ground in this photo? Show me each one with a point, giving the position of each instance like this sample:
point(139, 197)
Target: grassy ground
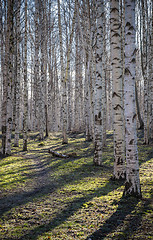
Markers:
point(46, 197)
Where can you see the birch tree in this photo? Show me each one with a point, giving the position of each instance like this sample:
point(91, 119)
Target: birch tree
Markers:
point(9, 77)
point(144, 65)
point(25, 99)
point(117, 96)
point(98, 87)
point(151, 80)
point(64, 83)
point(132, 185)
point(4, 46)
point(1, 60)
point(78, 82)
point(17, 80)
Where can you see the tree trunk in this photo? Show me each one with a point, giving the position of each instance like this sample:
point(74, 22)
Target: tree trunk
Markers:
point(64, 84)
point(98, 88)
point(132, 185)
point(117, 96)
point(9, 53)
point(151, 81)
point(25, 113)
point(145, 71)
point(138, 108)
point(17, 80)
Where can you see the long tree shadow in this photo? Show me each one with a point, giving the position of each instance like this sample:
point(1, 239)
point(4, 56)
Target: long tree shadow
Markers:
point(23, 197)
point(67, 212)
point(83, 171)
point(125, 220)
point(18, 199)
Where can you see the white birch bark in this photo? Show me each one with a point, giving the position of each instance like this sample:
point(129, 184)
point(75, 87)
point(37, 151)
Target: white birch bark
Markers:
point(85, 89)
point(77, 93)
point(78, 79)
point(87, 103)
point(25, 98)
point(69, 85)
point(64, 83)
point(117, 96)
point(88, 59)
point(42, 80)
point(138, 87)
point(91, 77)
point(132, 185)
point(104, 97)
point(145, 70)
point(17, 82)
point(36, 71)
point(4, 72)
point(151, 80)
point(98, 87)
point(9, 76)
point(58, 98)
point(1, 61)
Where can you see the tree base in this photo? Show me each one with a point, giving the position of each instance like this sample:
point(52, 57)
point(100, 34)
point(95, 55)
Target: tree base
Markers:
point(121, 178)
point(16, 145)
point(4, 155)
point(97, 164)
point(25, 149)
point(129, 191)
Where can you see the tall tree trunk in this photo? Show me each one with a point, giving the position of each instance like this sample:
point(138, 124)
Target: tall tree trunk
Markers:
point(69, 85)
point(104, 96)
point(76, 103)
point(37, 96)
point(9, 53)
point(4, 46)
point(117, 96)
point(25, 113)
point(132, 185)
point(138, 108)
point(145, 70)
point(151, 81)
point(98, 88)
point(64, 84)
point(17, 80)
point(1, 60)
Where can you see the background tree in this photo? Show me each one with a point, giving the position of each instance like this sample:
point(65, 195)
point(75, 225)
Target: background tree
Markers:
point(17, 76)
point(98, 87)
point(25, 99)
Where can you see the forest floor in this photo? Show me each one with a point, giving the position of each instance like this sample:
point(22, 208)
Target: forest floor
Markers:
point(46, 197)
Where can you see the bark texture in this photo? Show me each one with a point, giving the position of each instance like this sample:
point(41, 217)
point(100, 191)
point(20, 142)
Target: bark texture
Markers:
point(98, 88)
point(117, 96)
point(132, 185)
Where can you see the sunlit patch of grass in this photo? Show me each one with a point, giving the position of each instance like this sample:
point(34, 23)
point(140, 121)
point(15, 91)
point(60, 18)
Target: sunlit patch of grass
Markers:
point(13, 171)
point(77, 198)
point(146, 178)
point(86, 184)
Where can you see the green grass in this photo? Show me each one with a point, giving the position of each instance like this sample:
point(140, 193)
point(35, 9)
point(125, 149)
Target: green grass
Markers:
point(46, 197)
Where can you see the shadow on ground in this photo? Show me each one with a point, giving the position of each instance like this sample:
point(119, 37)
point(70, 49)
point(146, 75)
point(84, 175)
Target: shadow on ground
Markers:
point(69, 210)
point(125, 221)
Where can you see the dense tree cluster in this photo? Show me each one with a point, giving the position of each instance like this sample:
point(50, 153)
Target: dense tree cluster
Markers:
point(76, 65)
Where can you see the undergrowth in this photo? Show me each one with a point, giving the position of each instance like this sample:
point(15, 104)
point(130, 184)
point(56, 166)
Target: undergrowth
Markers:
point(46, 197)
